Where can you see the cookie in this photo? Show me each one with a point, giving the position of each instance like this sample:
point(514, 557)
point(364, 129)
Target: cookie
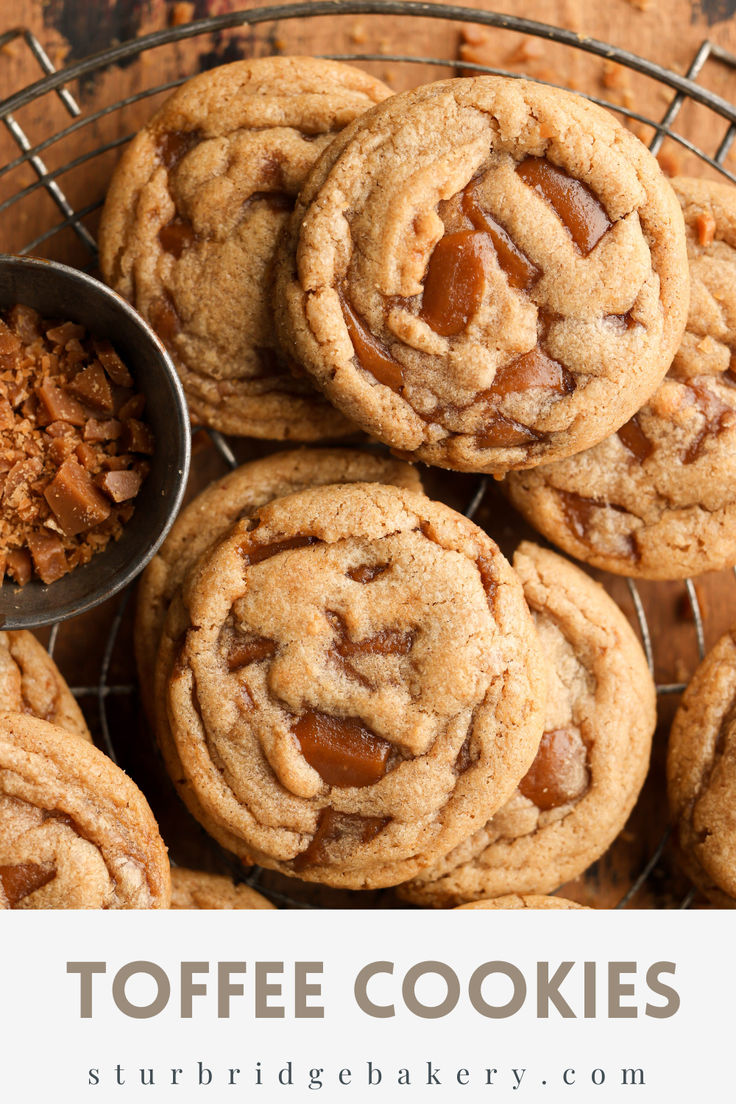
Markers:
point(701, 775)
point(528, 901)
point(658, 498)
point(209, 516)
point(354, 685)
point(193, 889)
point(75, 832)
point(190, 223)
point(593, 757)
point(30, 682)
point(485, 273)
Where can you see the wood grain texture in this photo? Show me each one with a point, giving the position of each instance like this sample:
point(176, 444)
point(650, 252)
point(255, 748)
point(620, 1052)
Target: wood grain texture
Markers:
point(666, 31)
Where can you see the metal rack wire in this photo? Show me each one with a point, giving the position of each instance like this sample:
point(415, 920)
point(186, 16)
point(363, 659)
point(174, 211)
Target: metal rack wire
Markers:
point(31, 153)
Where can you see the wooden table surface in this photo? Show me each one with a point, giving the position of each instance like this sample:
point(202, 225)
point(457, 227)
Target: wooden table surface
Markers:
point(668, 32)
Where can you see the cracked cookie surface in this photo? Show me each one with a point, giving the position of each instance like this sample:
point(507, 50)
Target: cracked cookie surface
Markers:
point(527, 901)
point(75, 831)
point(593, 757)
point(208, 517)
point(657, 499)
point(485, 273)
point(354, 684)
point(30, 682)
point(701, 775)
point(194, 889)
point(191, 220)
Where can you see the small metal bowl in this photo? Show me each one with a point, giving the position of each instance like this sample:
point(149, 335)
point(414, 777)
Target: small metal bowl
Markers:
point(57, 291)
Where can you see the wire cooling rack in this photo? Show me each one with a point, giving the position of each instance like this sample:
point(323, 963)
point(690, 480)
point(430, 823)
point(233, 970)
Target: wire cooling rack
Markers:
point(115, 723)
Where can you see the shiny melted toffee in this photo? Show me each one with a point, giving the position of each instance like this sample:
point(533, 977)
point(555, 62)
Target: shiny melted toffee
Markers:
point(20, 880)
point(559, 773)
point(343, 750)
point(717, 416)
point(454, 285)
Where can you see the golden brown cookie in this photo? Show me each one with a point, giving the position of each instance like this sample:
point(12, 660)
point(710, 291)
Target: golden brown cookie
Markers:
point(485, 273)
point(701, 775)
point(593, 757)
point(193, 889)
point(30, 682)
point(238, 495)
point(75, 832)
point(354, 685)
point(658, 498)
point(190, 223)
point(528, 901)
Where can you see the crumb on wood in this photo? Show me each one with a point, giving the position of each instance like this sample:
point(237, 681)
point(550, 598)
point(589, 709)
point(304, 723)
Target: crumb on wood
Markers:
point(546, 73)
point(180, 13)
point(527, 49)
point(614, 75)
point(473, 35)
point(59, 53)
point(670, 161)
point(358, 34)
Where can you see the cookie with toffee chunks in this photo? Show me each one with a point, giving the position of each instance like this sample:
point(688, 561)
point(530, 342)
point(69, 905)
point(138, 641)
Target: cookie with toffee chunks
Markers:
point(75, 831)
point(485, 273)
point(354, 684)
point(191, 220)
point(593, 757)
point(657, 499)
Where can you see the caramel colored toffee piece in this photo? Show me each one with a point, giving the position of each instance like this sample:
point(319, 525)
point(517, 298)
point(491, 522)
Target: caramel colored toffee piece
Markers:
point(701, 775)
point(593, 757)
point(354, 685)
point(527, 901)
point(193, 889)
point(212, 513)
point(30, 682)
point(657, 499)
point(75, 832)
point(191, 220)
point(485, 273)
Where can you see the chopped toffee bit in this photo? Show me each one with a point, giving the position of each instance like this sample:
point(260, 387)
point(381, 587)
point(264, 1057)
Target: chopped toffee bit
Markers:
point(579, 210)
point(72, 445)
point(112, 363)
point(74, 499)
point(341, 749)
point(136, 437)
point(453, 288)
point(47, 554)
point(706, 227)
point(120, 485)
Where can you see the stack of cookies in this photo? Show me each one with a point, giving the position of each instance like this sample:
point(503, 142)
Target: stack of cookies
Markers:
point(348, 682)
point(76, 831)
point(351, 685)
